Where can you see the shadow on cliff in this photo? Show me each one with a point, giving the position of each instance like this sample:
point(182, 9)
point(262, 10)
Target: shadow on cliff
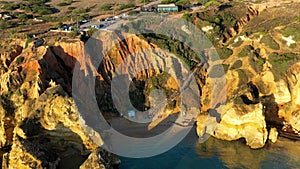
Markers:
point(270, 107)
point(270, 111)
point(254, 93)
point(54, 68)
point(62, 152)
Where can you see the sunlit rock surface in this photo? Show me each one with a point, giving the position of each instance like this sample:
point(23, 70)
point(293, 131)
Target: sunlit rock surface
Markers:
point(273, 134)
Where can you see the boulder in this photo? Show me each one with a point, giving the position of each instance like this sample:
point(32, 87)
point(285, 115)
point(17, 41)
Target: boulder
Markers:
point(273, 134)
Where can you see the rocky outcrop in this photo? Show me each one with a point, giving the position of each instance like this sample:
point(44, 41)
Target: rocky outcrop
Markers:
point(100, 159)
point(291, 110)
point(273, 135)
point(250, 113)
point(49, 130)
point(237, 121)
point(92, 162)
point(2, 128)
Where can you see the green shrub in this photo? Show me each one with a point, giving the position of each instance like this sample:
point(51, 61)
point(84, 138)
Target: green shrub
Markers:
point(58, 25)
point(182, 2)
point(133, 12)
point(18, 92)
point(3, 25)
point(11, 7)
point(238, 43)
point(91, 31)
point(228, 20)
point(28, 41)
point(224, 52)
point(281, 62)
point(220, 54)
point(243, 78)
point(70, 8)
point(63, 4)
point(73, 33)
point(122, 7)
point(50, 18)
point(211, 3)
point(3, 68)
point(246, 51)
point(188, 17)
point(12, 31)
point(270, 42)
point(19, 60)
point(44, 11)
point(261, 61)
point(84, 16)
point(3, 2)
point(176, 47)
point(237, 64)
point(81, 11)
point(106, 7)
point(22, 17)
point(168, 1)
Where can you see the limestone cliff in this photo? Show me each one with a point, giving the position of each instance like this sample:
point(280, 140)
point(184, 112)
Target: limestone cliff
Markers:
point(261, 83)
point(40, 126)
point(39, 122)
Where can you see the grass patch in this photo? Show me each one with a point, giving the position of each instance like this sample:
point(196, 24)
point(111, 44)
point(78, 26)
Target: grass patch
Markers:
point(270, 42)
point(292, 30)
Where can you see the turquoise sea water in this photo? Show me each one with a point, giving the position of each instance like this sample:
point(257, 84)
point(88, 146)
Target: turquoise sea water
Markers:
point(190, 154)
